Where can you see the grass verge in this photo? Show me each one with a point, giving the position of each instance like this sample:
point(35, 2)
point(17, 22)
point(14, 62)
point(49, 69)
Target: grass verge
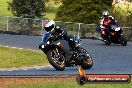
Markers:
point(4, 8)
point(71, 85)
point(10, 57)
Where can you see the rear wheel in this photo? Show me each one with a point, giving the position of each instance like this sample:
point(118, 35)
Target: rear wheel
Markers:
point(56, 59)
point(123, 40)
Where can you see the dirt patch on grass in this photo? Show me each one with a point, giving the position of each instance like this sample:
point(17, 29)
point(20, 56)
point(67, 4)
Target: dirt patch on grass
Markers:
point(6, 82)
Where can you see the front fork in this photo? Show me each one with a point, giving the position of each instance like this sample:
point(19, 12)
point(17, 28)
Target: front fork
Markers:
point(56, 52)
point(81, 52)
point(105, 36)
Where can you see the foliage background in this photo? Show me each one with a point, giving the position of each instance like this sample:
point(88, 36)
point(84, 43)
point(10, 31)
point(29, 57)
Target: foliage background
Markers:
point(84, 11)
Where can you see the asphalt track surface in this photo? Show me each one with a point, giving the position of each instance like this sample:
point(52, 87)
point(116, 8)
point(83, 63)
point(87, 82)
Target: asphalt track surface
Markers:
point(113, 59)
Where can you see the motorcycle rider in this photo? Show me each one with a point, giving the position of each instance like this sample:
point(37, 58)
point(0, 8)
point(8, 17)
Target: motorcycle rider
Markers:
point(56, 30)
point(105, 21)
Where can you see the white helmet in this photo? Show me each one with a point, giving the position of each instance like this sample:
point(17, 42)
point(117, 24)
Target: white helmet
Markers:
point(105, 13)
point(50, 25)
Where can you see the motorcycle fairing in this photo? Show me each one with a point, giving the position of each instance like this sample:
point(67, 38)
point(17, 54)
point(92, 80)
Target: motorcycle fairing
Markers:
point(63, 44)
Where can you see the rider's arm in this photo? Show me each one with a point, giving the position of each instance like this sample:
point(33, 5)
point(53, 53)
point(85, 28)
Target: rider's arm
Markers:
point(101, 20)
point(65, 35)
point(52, 31)
point(57, 31)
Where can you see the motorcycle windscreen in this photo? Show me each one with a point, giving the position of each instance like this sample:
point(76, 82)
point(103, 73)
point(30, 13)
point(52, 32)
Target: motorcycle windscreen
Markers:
point(113, 27)
point(45, 37)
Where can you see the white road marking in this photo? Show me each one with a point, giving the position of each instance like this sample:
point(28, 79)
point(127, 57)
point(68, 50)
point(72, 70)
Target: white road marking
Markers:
point(20, 48)
point(25, 68)
point(37, 68)
point(10, 70)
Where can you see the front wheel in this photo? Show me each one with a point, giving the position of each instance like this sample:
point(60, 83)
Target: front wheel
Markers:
point(106, 40)
point(56, 59)
point(86, 59)
point(87, 63)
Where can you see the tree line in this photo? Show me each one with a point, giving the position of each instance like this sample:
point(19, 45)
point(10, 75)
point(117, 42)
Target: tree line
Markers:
point(85, 11)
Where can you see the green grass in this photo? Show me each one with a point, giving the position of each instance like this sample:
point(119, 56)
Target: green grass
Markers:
point(72, 85)
point(4, 7)
point(10, 57)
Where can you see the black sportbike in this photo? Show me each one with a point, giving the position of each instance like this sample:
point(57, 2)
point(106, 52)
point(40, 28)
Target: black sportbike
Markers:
point(113, 34)
point(61, 55)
